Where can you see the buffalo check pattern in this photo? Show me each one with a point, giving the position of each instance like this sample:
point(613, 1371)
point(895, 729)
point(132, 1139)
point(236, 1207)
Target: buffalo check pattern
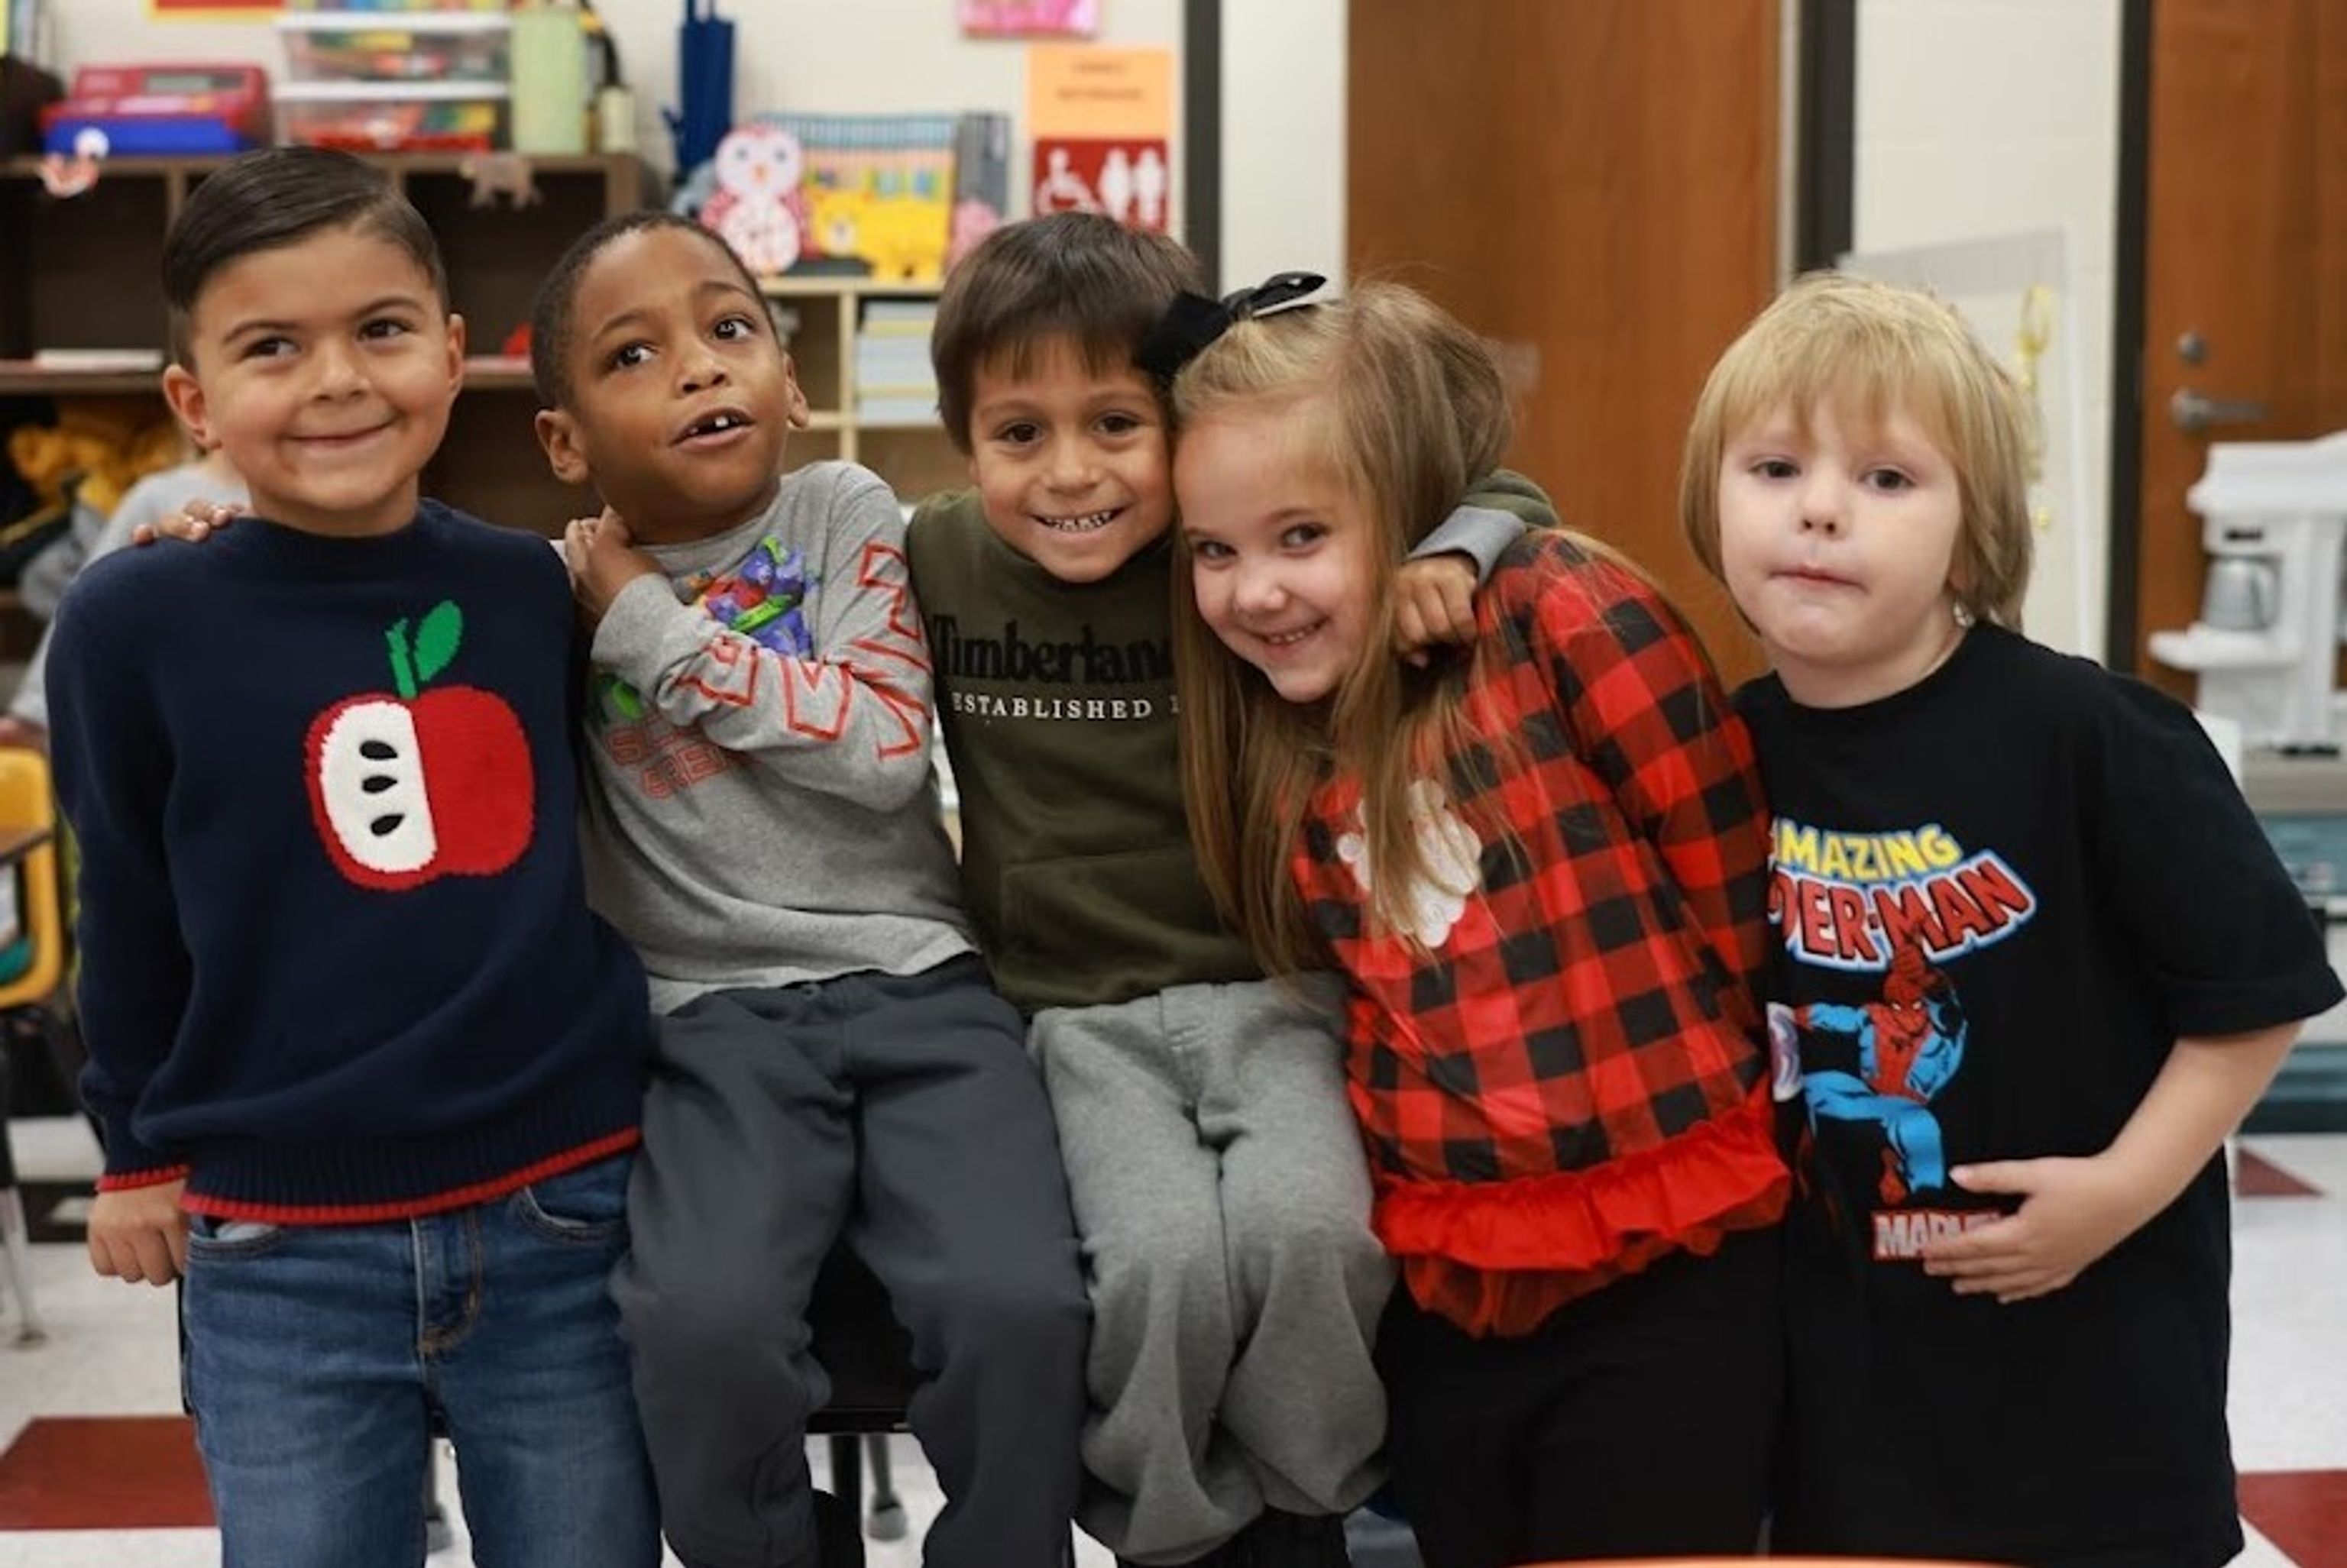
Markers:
point(1590, 999)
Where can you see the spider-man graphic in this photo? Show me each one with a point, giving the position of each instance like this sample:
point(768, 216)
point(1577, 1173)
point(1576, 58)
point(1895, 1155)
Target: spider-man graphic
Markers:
point(1909, 1045)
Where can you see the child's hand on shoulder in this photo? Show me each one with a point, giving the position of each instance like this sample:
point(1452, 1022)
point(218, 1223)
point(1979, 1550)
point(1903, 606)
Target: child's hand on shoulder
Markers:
point(2071, 1212)
point(603, 559)
point(1434, 602)
point(139, 1234)
point(193, 522)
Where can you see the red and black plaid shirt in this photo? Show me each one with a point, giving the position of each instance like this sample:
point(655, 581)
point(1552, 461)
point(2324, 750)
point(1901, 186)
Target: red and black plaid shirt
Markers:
point(1568, 1079)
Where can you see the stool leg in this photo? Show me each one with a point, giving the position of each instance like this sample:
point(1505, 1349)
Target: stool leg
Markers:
point(847, 1470)
point(17, 1258)
point(886, 1521)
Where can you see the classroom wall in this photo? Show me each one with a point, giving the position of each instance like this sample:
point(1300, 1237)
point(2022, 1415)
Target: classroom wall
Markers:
point(1981, 118)
point(1283, 99)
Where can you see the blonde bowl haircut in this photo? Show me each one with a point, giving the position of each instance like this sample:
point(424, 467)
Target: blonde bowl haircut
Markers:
point(1865, 350)
point(1407, 408)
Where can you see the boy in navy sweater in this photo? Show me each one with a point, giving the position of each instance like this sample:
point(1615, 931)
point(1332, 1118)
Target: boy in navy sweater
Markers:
point(369, 1070)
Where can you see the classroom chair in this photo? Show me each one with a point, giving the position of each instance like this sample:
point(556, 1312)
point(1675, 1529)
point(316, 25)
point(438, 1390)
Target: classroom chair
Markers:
point(29, 850)
point(869, 1359)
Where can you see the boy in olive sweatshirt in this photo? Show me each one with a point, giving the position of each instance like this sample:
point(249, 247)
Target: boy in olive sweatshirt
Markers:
point(1219, 1187)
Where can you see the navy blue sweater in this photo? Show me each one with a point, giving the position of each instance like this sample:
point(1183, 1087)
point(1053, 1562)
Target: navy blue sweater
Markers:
point(336, 961)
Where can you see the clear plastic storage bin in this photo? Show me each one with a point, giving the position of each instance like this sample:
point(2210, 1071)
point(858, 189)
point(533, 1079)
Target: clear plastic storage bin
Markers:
point(442, 45)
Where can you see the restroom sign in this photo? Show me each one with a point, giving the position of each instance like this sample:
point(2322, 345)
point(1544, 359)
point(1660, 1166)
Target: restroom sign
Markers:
point(1130, 179)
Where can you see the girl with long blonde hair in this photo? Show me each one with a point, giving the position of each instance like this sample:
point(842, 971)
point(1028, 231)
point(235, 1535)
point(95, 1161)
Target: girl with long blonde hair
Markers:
point(1539, 867)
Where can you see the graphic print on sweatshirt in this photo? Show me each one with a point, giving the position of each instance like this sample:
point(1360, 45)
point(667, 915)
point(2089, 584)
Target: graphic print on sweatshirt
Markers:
point(763, 681)
point(410, 785)
point(1897, 908)
point(1052, 675)
point(763, 596)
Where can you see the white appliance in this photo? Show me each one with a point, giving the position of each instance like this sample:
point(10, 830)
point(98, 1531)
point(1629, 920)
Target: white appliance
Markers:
point(2274, 514)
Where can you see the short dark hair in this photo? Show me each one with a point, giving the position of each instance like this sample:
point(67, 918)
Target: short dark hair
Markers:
point(276, 196)
point(553, 323)
point(1076, 277)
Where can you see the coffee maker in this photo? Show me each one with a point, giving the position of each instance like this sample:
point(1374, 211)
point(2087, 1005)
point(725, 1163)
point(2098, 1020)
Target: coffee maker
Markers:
point(2264, 648)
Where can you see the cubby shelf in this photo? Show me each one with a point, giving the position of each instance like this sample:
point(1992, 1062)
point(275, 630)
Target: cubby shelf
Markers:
point(913, 455)
point(79, 272)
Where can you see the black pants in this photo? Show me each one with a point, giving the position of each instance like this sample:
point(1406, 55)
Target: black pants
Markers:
point(1635, 1421)
point(902, 1114)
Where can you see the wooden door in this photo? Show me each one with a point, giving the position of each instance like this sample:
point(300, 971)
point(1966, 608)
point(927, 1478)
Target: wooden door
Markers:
point(1592, 184)
point(2245, 261)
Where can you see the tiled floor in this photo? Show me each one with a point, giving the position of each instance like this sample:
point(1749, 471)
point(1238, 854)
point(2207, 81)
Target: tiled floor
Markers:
point(109, 1354)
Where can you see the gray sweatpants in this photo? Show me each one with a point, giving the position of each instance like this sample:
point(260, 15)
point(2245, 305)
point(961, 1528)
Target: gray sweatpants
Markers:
point(901, 1114)
point(1223, 1201)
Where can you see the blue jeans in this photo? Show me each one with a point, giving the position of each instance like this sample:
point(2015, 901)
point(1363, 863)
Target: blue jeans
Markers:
point(318, 1357)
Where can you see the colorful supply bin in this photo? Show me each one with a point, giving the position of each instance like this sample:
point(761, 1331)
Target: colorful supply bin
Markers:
point(389, 116)
point(386, 79)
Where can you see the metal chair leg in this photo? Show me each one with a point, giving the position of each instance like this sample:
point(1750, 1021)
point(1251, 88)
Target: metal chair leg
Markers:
point(15, 1253)
point(17, 1258)
point(846, 1470)
point(886, 1521)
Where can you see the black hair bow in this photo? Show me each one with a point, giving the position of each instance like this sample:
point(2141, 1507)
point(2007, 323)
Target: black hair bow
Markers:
point(1192, 321)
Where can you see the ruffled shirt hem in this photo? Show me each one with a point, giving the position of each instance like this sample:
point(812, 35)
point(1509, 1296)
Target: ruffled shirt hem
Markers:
point(1497, 1257)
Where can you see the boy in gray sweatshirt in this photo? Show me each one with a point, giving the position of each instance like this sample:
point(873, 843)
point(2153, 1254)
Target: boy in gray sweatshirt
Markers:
point(762, 825)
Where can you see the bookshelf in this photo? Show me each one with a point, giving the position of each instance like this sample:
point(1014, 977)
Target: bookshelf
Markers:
point(80, 273)
point(903, 441)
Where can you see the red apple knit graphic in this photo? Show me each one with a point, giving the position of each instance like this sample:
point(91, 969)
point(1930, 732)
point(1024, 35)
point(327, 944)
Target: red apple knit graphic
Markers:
point(407, 788)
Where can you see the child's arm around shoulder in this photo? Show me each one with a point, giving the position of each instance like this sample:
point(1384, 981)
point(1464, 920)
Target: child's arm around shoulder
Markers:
point(113, 763)
point(1645, 709)
point(1434, 591)
point(851, 716)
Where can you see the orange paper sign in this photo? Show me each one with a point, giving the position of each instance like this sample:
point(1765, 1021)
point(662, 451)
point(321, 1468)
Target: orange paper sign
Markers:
point(1081, 91)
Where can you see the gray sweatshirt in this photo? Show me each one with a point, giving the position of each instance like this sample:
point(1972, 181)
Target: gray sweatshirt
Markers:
point(764, 810)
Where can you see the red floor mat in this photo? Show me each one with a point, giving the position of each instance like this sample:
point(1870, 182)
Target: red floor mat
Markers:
point(2304, 1512)
point(104, 1472)
point(2257, 1176)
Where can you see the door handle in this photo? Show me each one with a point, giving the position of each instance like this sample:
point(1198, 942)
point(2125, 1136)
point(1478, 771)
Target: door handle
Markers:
point(2196, 411)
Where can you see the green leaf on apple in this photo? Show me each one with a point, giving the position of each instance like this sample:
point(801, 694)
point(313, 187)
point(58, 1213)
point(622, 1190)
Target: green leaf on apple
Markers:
point(442, 627)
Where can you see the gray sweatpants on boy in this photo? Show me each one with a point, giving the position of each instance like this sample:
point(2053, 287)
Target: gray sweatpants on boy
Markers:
point(900, 1113)
point(1223, 1200)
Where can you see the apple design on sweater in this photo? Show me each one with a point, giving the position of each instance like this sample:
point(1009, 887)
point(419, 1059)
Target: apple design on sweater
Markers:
point(413, 786)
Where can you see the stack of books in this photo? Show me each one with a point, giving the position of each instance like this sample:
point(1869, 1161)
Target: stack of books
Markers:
point(893, 383)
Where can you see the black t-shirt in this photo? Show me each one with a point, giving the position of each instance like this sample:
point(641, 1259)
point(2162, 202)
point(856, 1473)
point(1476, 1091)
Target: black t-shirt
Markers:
point(2001, 896)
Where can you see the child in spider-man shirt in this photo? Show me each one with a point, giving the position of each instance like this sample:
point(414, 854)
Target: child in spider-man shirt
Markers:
point(2035, 959)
